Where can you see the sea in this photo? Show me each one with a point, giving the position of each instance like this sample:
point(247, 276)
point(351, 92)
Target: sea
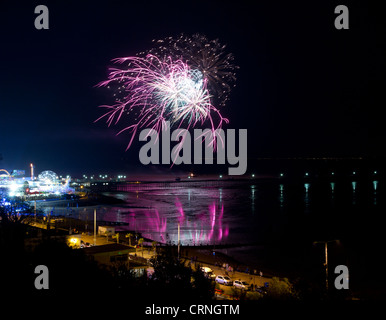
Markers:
point(281, 225)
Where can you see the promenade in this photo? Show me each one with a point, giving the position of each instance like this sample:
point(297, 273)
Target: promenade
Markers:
point(204, 257)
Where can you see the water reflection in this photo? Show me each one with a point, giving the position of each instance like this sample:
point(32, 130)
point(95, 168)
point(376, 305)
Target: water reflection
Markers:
point(253, 198)
point(204, 228)
point(306, 198)
point(354, 197)
point(281, 197)
point(375, 186)
point(212, 214)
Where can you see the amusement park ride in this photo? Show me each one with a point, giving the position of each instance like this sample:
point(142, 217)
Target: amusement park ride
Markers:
point(46, 183)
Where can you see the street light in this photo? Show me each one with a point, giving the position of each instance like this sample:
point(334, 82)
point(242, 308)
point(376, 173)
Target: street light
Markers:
point(178, 241)
point(95, 225)
point(326, 257)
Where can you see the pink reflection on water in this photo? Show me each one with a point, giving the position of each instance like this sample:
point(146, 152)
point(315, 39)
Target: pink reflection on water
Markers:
point(206, 227)
point(226, 233)
point(147, 221)
point(220, 229)
point(180, 211)
point(212, 215)
point(197, 231)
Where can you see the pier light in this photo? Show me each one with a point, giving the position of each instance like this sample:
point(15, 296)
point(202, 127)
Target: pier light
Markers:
point(281, 174)
point(306, 174)
point(220, 176)
point(253, 175)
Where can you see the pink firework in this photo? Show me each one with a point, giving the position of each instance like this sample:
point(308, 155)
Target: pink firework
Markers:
point(154, 91)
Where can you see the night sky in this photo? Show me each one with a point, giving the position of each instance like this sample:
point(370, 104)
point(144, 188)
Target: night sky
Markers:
point(304, 88)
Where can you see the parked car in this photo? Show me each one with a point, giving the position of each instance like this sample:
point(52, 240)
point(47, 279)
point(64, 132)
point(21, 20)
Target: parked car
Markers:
point(208, 272)
point(85, 244)
point(261, 289)
point(224, 280)
point(241, 284)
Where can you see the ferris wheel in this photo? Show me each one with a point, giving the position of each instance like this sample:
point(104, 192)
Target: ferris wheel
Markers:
point(48, 177)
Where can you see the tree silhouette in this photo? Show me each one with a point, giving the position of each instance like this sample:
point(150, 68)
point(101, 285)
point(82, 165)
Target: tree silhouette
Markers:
point(172, 279)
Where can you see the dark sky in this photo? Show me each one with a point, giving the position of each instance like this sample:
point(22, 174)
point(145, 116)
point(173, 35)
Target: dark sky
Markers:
point(303, 89)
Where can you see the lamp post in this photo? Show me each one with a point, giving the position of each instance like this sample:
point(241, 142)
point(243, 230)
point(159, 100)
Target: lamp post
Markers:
point(178, 241)
point(326, 257)
point(94, 227)
point(32, 171)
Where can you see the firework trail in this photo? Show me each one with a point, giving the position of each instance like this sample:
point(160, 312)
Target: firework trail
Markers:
point(156, 88)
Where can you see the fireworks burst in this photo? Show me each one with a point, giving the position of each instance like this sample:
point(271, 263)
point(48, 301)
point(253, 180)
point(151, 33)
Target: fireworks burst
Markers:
point(170, 86)
point(207, 56)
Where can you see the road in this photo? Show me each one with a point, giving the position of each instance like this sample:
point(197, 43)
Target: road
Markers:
point(147, 253)
point(256, 280)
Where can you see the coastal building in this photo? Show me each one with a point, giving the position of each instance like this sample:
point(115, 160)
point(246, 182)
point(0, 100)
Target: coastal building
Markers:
point(110, 254)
